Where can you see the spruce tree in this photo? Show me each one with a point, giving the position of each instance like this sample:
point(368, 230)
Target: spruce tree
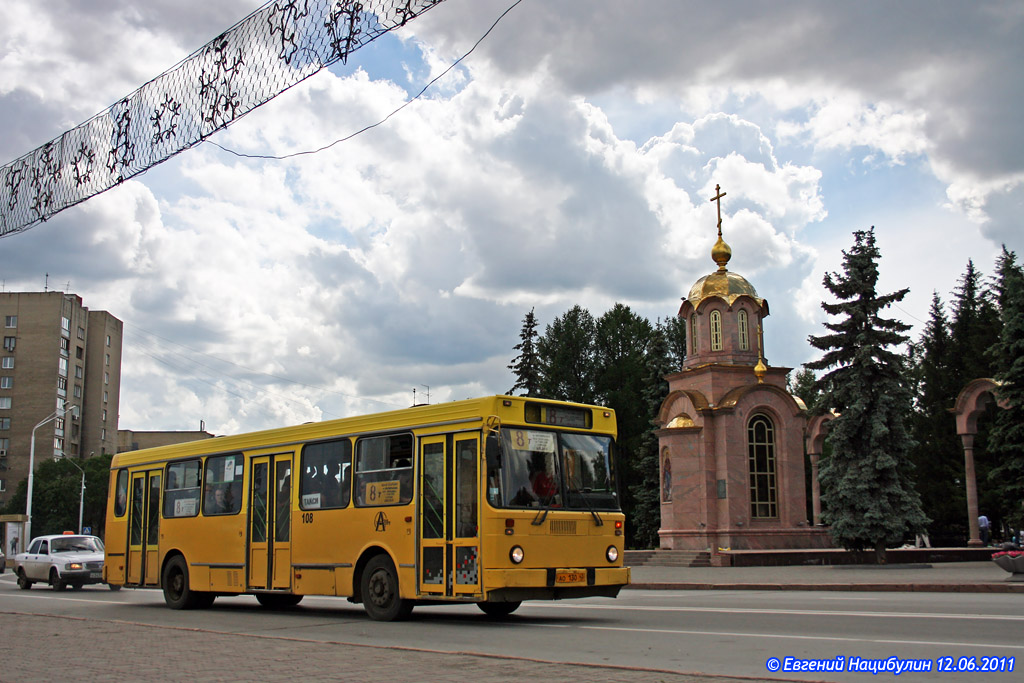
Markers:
point(646, 491)
point(526, 366)
point(869, 497)
point(1006, 442)
point(567, 357)
point(974, 328)
point(937, 454)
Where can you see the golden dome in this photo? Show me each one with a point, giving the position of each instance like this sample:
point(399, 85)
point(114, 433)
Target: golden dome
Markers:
point(729, 286)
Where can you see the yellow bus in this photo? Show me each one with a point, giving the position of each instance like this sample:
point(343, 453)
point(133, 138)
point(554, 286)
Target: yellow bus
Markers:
point(491, 501)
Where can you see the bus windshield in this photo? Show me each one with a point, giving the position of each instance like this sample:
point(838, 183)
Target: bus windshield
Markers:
point(548, 469)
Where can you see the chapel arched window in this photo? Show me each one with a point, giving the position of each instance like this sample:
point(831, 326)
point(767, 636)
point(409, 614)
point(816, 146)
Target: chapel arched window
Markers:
point(744, 330)
point(762, 464)
point(693, 333)
point(716, 331)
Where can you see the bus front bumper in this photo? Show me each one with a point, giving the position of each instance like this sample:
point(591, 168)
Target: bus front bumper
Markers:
point(554, 583)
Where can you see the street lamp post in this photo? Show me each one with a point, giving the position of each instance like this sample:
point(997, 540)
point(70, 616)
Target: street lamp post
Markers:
point(81, 499)
point(32, 465)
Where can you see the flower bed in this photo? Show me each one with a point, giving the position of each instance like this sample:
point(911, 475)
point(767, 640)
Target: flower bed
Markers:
point(1010, 560)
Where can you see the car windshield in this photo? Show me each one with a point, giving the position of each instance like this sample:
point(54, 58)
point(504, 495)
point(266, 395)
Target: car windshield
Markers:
point(76, 544)
point(548, 469)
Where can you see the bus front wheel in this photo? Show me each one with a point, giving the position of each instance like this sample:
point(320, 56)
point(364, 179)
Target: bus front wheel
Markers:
point(498, 609)
point(177, 593)
point(381, 599)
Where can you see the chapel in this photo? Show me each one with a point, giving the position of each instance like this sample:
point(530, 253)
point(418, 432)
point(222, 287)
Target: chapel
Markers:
point(731, 437)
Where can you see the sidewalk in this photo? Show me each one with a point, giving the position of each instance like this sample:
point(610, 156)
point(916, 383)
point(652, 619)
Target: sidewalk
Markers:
point(38, 647)
point(966, 577)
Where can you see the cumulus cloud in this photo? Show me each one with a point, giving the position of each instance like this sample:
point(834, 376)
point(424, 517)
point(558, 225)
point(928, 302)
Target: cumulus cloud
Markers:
point(570, 160)
point(899, 81)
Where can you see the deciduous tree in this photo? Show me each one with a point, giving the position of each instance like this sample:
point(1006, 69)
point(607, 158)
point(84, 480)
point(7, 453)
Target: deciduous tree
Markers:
point(567, 357)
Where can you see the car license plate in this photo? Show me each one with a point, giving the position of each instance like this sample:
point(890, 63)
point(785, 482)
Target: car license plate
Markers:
point(95, 575)
point(563, 576)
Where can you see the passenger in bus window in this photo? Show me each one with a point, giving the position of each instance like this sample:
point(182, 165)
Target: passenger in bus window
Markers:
point(543, 485)
point(223, 500)
point(404, 467)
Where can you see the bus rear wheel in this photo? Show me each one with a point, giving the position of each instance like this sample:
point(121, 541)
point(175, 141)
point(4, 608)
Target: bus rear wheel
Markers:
point(498, 609)
point(177, 593)
point(381, 599)
point(278, 600)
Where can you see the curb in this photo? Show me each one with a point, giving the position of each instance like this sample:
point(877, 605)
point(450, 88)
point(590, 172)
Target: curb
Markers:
point(875, 587)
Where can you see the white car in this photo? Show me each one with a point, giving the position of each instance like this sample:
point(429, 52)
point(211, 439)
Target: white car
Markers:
point(3, 562)
point(61, 561)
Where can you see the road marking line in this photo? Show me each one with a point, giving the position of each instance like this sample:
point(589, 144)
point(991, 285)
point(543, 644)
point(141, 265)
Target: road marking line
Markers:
point(56, 597)
point(733, 634)
point(818, 613)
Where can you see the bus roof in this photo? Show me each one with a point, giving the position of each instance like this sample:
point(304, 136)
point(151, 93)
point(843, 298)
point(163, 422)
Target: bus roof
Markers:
point(441, 415)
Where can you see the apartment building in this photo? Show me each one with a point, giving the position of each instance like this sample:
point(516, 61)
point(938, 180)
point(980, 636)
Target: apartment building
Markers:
point(133, 440)
point(56, 354)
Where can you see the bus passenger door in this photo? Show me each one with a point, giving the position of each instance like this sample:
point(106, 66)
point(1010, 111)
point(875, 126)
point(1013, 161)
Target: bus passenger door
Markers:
point(258, 557)
point(465, 514)
point(151, 542)
point(433, 546)
point(269, 556)
point(281, 565)
point(449, 531)
point(143, 529)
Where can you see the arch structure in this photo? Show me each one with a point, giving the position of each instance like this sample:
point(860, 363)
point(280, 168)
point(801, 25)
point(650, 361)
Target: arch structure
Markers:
point(732, 462)
point(971, 402)
point(814, 442)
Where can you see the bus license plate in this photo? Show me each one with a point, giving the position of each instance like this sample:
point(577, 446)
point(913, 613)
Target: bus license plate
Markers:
point(570, 577)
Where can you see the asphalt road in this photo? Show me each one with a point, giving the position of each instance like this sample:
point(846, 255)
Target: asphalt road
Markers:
point(719, 632)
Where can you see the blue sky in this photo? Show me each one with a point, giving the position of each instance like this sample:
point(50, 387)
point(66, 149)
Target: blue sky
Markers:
point(569, 160)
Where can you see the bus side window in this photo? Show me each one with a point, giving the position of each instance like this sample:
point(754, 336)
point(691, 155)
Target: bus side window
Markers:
point(325, 471)
point(223, 485)
point(121, 503)
point(384, 470)
point(181, 493)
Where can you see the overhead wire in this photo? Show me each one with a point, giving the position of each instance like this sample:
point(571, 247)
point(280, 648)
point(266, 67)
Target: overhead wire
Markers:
point(383, 120)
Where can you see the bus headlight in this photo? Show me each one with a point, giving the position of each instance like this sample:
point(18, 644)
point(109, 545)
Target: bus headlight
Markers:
point(612, 553)
point(516, 554)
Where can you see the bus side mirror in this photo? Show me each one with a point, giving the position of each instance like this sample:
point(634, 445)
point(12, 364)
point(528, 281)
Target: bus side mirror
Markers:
point(492, 449)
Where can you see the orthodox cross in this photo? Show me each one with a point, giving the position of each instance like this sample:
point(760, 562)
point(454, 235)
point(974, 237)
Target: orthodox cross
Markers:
point(718, 198)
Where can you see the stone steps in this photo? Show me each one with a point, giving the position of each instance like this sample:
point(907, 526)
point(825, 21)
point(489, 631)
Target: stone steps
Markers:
point(667, 558)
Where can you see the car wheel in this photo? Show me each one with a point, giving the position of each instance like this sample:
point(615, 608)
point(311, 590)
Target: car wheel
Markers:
point(113, 587)
point(381, 599)
point(498, 609)
point(56, 583)
point(177, 594)
point(76, 586)
point(23, 582)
